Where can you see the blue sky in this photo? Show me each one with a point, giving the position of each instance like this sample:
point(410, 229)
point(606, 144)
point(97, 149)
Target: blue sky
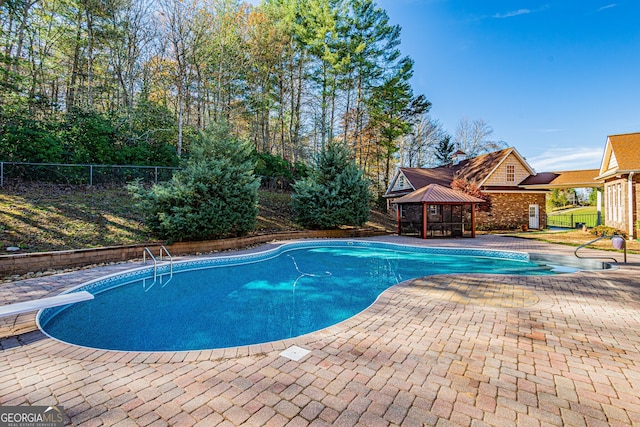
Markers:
point(552, 79)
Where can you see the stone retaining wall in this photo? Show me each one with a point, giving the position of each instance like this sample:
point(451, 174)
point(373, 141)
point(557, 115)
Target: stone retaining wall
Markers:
point(43, 261)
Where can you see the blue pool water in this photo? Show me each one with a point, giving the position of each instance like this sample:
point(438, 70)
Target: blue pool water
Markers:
point(232, 301)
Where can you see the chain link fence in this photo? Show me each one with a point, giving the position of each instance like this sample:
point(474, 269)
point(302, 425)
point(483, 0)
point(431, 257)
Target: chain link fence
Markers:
point(276, 184)
point(86, 174)
point(83, 174)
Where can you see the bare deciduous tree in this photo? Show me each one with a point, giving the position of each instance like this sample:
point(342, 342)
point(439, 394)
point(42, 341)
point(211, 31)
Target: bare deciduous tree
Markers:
point(176, 18)
point(418, 148)
point(474, 137)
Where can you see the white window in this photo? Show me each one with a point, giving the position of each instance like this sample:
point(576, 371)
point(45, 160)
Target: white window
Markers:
point(511, 173)
point(614, 202)
point(402, 183)
point(609, 205)
point(619, 202)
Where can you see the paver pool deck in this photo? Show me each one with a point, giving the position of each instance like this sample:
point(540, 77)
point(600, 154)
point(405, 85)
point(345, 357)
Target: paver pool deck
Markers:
point(440, 350)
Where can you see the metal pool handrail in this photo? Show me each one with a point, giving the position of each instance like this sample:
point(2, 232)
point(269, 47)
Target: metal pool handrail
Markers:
point(604, 236)
point(166, 251)
point(155, 262)
point(155, 265)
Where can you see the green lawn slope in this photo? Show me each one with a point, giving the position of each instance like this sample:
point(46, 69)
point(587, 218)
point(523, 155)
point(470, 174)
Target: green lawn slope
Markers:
point(39, 217)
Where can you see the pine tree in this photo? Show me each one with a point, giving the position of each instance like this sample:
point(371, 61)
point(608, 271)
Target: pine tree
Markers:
point(444, 151)
point(214, 196)
point(394, 110)
point(334, 194)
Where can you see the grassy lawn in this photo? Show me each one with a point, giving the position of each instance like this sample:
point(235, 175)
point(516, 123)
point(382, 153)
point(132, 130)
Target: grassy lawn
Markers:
point(583, 210)
point(46, 217)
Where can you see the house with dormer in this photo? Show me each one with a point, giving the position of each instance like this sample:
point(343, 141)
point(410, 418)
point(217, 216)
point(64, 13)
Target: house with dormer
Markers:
point(504, 175)
point(518, 193)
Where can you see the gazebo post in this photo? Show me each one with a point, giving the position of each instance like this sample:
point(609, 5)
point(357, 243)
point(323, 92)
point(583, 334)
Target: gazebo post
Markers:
point(398, 215)
point(473, 220)
point(424, 220)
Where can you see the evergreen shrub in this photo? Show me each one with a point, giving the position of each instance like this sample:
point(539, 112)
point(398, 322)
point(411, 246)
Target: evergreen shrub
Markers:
point(334, 194)
point(214, 196)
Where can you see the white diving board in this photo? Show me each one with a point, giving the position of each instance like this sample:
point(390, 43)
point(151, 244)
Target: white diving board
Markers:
point(37, 304)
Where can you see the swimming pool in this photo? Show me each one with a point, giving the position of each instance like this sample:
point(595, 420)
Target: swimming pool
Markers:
point(230, 301)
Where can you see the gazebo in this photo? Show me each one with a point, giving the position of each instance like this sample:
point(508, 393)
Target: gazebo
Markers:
point(436, 210)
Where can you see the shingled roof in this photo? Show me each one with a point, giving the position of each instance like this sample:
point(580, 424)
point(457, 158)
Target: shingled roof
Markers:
point(476, 169)
point(479, 168)
point(419, 177)
point(565, 179)
point(621, 155)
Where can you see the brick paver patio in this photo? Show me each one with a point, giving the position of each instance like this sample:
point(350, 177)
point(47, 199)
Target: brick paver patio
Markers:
point(440, 350)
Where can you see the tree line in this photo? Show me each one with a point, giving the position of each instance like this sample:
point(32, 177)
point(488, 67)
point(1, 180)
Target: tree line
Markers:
point(134, 81)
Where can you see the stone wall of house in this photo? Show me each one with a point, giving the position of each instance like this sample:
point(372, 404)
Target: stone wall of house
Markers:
point(511, 211)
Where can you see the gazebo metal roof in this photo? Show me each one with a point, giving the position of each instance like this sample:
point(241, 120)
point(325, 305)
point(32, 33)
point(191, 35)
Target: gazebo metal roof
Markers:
point(438, 194)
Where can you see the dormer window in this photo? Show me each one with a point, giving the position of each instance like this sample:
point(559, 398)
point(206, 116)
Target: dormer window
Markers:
point(402, 183)
point(511, 173)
